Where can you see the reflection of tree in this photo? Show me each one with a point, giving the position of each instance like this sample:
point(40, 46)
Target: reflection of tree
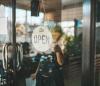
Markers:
point(20, 30)
point(72, 58)
point(74, 47)
point(20, 33)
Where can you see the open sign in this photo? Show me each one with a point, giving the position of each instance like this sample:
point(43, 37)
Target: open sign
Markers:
point(41, 38)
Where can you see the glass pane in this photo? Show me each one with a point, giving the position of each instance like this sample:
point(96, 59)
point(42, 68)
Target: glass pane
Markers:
point(61, 64)
point(72, 27)
point(73, 53)
point(98, 44)
point(25, 24)
point(4, 26)
point(20, 16)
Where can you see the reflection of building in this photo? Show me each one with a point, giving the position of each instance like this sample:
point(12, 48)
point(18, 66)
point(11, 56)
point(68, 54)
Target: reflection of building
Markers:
point(3, 29)
point(20, 33)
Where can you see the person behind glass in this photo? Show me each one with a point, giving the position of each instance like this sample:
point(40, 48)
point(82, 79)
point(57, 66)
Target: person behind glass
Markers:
point(50, 71)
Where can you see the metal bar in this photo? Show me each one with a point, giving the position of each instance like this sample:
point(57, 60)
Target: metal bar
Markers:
point(88, 52)
point(14, 42)
point(13, 21)
point(93, 43)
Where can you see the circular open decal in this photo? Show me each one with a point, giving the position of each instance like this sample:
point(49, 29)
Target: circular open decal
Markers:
point(41, 38)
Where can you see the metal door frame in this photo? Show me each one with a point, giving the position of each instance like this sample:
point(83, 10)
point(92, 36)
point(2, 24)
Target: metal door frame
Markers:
point(88, 48)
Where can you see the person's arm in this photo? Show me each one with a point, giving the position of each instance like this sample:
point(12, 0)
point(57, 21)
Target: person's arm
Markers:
point(59, 54)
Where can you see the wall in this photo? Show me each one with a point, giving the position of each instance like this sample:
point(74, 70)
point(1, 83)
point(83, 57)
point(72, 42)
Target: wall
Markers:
point(72, 13)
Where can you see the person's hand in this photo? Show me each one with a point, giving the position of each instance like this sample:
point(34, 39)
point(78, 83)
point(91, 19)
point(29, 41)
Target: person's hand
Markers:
point(33, 76)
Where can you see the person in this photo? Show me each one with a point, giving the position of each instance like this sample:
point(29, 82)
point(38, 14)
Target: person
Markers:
point(50, 71)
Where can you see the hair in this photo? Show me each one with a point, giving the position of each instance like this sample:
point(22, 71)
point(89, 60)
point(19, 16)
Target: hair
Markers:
point(58, 29)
